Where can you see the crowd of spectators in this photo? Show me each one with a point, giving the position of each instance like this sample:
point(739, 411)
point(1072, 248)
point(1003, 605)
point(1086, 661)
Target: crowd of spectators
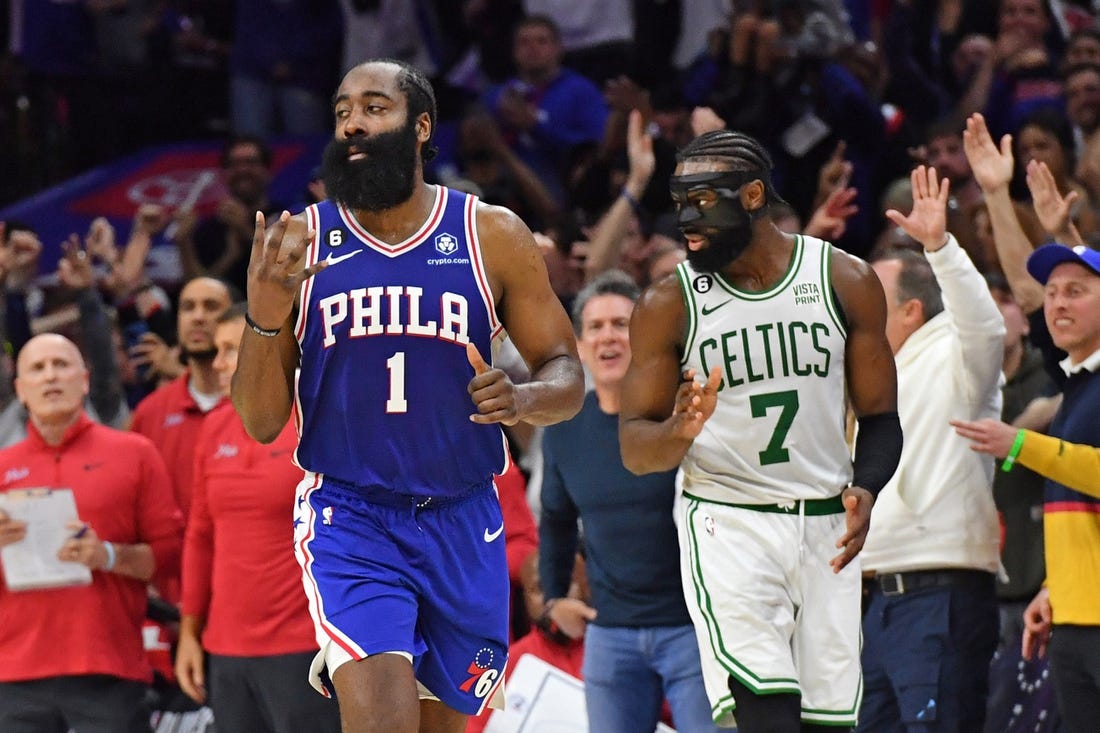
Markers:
point(570, 113)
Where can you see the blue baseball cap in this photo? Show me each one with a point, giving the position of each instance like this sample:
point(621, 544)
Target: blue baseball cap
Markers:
point(1044, 259)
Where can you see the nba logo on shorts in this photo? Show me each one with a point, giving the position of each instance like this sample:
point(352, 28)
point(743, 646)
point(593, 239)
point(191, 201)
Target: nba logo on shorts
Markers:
point(446, 244)
point(326, 515)
point(708, 524)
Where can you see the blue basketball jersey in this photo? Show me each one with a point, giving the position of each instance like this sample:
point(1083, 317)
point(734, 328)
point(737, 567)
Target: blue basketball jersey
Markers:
point(382, 391)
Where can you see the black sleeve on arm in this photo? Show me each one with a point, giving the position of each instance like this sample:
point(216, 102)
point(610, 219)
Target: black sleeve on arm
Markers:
point(1040, 338)
point(878, 450)
point(17, 319)
point(106, 393)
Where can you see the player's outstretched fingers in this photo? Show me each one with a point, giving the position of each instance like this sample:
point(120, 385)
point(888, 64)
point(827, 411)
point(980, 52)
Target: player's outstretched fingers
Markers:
point(259, 233)
point(273, 244)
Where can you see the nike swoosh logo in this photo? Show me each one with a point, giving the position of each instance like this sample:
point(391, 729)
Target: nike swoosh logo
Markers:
point(333, 260)
point(708, 311)
point(490, 536)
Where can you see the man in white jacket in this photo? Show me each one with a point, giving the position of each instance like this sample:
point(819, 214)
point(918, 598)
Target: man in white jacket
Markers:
point(932, 553)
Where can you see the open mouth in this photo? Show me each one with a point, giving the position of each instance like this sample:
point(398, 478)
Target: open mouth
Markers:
point(695, 242)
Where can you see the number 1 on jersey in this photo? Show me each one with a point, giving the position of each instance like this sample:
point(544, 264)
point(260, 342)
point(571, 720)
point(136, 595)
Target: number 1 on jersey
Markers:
point(397, 402)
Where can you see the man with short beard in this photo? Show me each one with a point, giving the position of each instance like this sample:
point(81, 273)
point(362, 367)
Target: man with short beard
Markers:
point(171, 415)
point(400, 288)
point(780, 326)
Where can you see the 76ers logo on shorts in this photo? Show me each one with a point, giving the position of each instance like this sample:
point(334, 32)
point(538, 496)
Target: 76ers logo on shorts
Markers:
point(483, 677)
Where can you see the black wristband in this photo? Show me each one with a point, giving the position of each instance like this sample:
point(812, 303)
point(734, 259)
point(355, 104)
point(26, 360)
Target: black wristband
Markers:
point(260, 329)
point(878, 450)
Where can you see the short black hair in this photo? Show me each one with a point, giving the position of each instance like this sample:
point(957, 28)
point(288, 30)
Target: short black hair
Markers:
point(243, 139)
point(1053, 122)
point(419, 98)
point(1085, 32)
point(1079, 68)
point(947, 126)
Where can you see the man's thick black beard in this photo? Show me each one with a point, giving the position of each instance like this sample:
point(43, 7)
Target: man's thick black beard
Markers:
point(722, 248)
point(384, 179)
point(206, 355)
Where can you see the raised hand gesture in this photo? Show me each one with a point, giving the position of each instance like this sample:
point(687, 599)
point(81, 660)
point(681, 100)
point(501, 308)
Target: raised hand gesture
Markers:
point(927, 222)
point(639, 151)
point(992, 168)
point(74, 269)
point(834, 175)
point(1050, 206)
point(830, 220)
point(705, 119)
point(274, 270)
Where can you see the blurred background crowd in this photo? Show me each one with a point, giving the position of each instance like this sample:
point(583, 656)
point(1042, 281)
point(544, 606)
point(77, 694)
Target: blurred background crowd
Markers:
point(534, 100)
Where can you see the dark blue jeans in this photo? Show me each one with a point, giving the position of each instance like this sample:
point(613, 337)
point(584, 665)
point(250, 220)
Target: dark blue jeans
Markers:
point(926, 658)
point(629, 671)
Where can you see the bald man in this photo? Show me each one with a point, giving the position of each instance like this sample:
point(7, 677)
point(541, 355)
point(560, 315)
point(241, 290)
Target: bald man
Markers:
point(73, 655)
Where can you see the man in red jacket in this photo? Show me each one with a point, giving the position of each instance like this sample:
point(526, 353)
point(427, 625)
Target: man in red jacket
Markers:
point(72, 656)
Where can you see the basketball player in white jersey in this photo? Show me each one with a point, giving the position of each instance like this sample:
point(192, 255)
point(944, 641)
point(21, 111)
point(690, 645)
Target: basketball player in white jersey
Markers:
point(783, 328)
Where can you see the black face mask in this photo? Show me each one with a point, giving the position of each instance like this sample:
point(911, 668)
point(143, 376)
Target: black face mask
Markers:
point(722, 220)
point(382, 180)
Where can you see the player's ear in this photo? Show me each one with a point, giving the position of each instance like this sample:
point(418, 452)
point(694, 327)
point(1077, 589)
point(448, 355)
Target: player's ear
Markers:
point(752, 195)
point(424, 127)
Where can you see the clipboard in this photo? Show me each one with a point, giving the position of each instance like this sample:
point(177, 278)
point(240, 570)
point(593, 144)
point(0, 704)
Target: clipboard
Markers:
point(543, 699)
point(32, 563)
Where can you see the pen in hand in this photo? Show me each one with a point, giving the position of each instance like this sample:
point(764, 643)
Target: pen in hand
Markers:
point(77, 547)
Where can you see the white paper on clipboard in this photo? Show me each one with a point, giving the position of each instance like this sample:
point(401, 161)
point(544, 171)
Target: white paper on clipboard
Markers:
point(32, 562)
point(543, 699)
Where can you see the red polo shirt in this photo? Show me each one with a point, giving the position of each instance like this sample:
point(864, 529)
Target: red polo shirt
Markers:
point(122, 491)
point(239, 570)
point(171, 418)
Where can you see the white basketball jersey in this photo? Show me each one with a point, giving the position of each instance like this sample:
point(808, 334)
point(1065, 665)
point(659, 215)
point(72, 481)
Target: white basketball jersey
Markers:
point(778, 431)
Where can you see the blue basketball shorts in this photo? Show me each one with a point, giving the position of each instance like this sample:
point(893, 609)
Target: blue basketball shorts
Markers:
point(427, 579)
